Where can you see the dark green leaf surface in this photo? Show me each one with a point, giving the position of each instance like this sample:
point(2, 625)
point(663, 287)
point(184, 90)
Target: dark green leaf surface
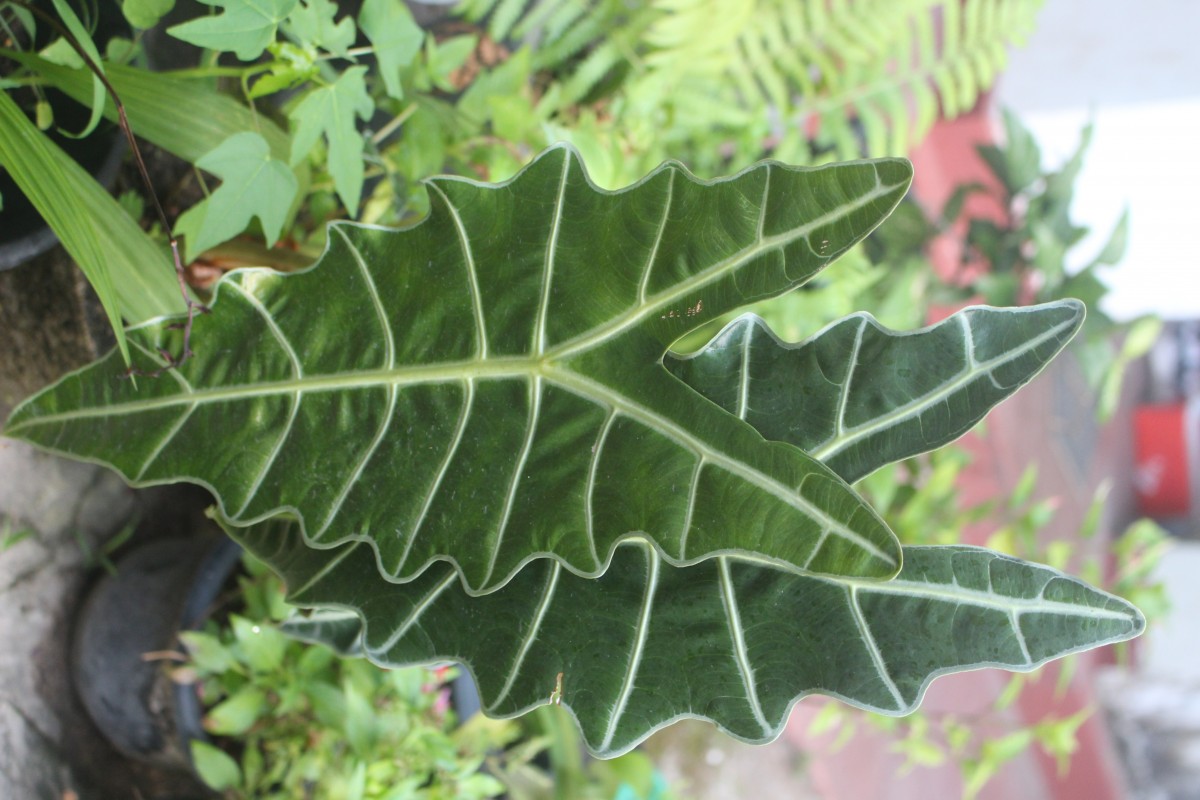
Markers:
point(725, 640)
point(487, 387)
point(646, 644)
point(858, 395)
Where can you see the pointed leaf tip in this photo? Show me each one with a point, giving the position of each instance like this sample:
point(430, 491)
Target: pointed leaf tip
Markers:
point(857, 395)
point(728, 641)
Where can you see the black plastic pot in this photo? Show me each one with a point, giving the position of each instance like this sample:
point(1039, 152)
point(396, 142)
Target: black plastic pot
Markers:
point(158, 590)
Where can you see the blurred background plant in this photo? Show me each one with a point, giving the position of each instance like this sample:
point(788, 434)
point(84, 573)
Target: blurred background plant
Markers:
point(920, 501)
point(290, 719)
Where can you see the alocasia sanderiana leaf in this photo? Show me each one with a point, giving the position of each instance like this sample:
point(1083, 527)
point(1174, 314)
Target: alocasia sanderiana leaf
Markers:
point(897, 394)
point(736, 643)
point(726, 640)
point(522, 380)
point(487, 387)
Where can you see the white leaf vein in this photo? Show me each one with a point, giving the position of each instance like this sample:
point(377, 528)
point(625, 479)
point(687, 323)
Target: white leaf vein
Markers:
point(481, 339)
point(166, 440)
point(389, 342)
point(740, 653)
point(347, 485)
point(415, 615)
point(658, 237)
point(615, 326)
point(743, 403)
point(530, 635)
point(539, 328)
point(590, 486)
point(873, 649)
point(601, 394)
point(460, 428)
point(693, 488)
point(915, 407)
point(261, 475)
point(641, 632)
point(535, 406)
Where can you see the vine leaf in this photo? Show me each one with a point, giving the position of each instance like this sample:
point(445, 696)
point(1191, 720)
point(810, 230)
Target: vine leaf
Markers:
point(396, 37)
point(145, 13)
point(897, 395)
point(314, 23)
point(329, 111)
point(253, 184)
point(736, 643)
point(243, 27)
point(487, 387)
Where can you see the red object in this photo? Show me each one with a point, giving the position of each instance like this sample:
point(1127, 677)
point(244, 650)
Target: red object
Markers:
point(1163, 478)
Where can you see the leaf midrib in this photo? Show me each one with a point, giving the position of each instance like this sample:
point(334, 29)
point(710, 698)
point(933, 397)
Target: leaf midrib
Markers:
point(979, 598)
point(519, 368)
point(846, 437)
point(408, 375)
point(648, 306)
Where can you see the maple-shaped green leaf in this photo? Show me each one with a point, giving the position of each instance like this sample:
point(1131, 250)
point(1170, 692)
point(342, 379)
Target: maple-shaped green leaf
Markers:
point(145, 13)
point(395, 36)
point(313, 23)
point(244, 27)
point(252, 185)
point(291, 66)
point(487, 387)
point(331, 111)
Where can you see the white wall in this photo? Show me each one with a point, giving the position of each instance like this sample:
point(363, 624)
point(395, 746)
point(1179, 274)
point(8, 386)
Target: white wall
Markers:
point(1132, 66)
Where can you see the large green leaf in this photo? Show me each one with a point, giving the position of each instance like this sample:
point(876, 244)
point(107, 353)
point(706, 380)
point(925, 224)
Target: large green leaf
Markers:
point(770, 635)
point(487, 387)
point(732, 642)
point(858, 396)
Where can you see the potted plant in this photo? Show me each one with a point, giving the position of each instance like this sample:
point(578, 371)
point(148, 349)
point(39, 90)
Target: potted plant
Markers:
point(290, 719)
point(129, 623)
point(468, 439)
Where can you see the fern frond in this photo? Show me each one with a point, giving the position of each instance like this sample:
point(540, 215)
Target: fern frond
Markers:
point(938, 55)
point(846, 78)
